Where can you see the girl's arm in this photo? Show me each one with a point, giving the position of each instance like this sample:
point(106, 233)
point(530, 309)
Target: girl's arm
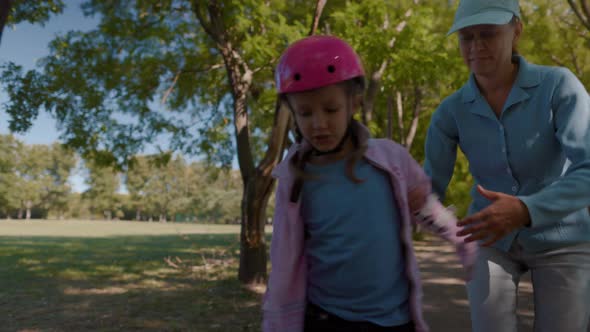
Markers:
point(428, 212)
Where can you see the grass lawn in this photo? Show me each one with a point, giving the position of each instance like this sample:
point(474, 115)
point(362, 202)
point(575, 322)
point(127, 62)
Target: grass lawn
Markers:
point(122, 276)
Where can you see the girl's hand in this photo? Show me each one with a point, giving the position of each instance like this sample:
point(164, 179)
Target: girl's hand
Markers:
point(505, 214)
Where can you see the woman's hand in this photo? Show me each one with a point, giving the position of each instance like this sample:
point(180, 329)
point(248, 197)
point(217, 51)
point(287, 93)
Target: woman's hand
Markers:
point(505, 214)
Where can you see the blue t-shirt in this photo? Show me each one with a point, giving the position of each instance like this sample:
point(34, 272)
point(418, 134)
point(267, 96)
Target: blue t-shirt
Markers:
point(353, 248)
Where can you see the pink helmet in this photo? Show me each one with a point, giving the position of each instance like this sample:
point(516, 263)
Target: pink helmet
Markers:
point(315, 62)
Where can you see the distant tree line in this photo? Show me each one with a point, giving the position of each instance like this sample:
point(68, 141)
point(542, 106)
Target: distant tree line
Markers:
point(35, 182)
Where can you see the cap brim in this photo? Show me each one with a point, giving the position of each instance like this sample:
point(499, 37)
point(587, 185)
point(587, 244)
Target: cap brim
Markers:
point(489, 17)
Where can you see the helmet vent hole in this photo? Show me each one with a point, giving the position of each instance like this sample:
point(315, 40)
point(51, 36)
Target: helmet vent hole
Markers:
point(331, 69)
point(297, 77)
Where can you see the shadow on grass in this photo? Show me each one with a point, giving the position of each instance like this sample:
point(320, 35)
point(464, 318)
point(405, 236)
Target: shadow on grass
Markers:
point(134, 283)
point(175, 283)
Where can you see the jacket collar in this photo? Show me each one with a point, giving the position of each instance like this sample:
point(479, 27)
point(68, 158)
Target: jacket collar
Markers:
point(527, 77)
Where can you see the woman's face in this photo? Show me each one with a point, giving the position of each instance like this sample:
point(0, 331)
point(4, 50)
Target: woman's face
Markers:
point(486, 49)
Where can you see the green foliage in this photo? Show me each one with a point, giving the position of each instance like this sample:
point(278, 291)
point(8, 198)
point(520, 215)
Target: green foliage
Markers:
point(9, 148)
point(160, 187)
point(149, 70)
point(34, 177)
point(34, 11)
point(152, 65)
point(554, 36)
point(61, 162)
point(103, 183)
point(182, 192)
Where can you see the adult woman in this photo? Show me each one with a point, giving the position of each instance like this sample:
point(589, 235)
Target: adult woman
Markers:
point(525, 130)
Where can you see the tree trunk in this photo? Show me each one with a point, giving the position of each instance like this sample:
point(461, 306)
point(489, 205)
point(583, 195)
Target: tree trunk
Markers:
point(390, 117)
point(20, 214)
point(375, 77)
point(400, 118)
point(415, 117)
point(28, 206)
point(256, 194)
point(5, 6)
point(252, 237)
point(163, 217)
point(257, 181)
point(108, 215)
point(138, 215)
point(252, 242)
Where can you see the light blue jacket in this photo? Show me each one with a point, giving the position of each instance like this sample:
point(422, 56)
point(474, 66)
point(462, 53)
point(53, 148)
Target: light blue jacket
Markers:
point(537, 150)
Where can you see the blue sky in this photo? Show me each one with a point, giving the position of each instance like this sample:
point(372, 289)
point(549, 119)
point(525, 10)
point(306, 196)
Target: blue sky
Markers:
point(24, 44)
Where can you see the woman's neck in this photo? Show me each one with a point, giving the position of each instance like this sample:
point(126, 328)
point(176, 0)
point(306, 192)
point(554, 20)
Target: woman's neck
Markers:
point(498, 82)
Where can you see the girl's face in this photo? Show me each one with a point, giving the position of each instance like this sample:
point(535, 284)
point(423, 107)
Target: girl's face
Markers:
point(487, 48)
point(323, 114)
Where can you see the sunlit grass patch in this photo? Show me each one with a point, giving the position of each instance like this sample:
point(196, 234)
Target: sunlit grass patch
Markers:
point(171, 282)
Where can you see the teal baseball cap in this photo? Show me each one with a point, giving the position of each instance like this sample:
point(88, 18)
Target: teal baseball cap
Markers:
point(475, 12)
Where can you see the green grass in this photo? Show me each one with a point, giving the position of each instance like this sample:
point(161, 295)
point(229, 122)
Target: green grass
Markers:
point(99, 276)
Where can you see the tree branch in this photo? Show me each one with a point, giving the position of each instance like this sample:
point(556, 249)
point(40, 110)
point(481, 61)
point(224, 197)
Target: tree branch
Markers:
point(389, 117)
point(375, 80)
point(585, 20)
point(586, 9)
point(5, 7)
point(171, 87)
point(210, 27)
point(319, 8)
point(415, 117)
point(188, 71)
point(400, 118)
point(557, 60)
point(574, 59)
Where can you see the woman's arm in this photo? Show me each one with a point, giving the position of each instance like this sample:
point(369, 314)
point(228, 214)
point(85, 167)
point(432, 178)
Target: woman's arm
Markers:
point(570, 193)
point(441, 149)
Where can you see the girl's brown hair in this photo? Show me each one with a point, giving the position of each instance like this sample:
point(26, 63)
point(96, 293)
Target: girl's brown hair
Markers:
point(354, 87)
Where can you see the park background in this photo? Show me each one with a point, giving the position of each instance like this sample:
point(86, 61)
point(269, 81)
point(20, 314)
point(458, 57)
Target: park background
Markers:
point(137, 139)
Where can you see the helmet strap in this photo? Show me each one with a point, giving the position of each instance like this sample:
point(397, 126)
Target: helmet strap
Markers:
point(338, 147)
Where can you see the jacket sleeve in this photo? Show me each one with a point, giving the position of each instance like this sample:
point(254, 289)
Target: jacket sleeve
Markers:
point(285, 298)
point(571, 105)
point(441, 150)
point(433, 216)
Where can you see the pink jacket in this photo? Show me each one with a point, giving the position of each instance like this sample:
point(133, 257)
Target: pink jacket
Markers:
point(285, 299)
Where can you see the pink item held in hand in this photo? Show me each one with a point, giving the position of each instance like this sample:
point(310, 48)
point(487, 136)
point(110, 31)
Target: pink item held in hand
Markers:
point(315, 62)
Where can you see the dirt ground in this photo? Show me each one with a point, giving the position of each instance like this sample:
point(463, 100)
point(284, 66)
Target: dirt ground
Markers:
point(445, 299)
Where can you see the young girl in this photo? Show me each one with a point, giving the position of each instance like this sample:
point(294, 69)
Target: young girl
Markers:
point(341, 252)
